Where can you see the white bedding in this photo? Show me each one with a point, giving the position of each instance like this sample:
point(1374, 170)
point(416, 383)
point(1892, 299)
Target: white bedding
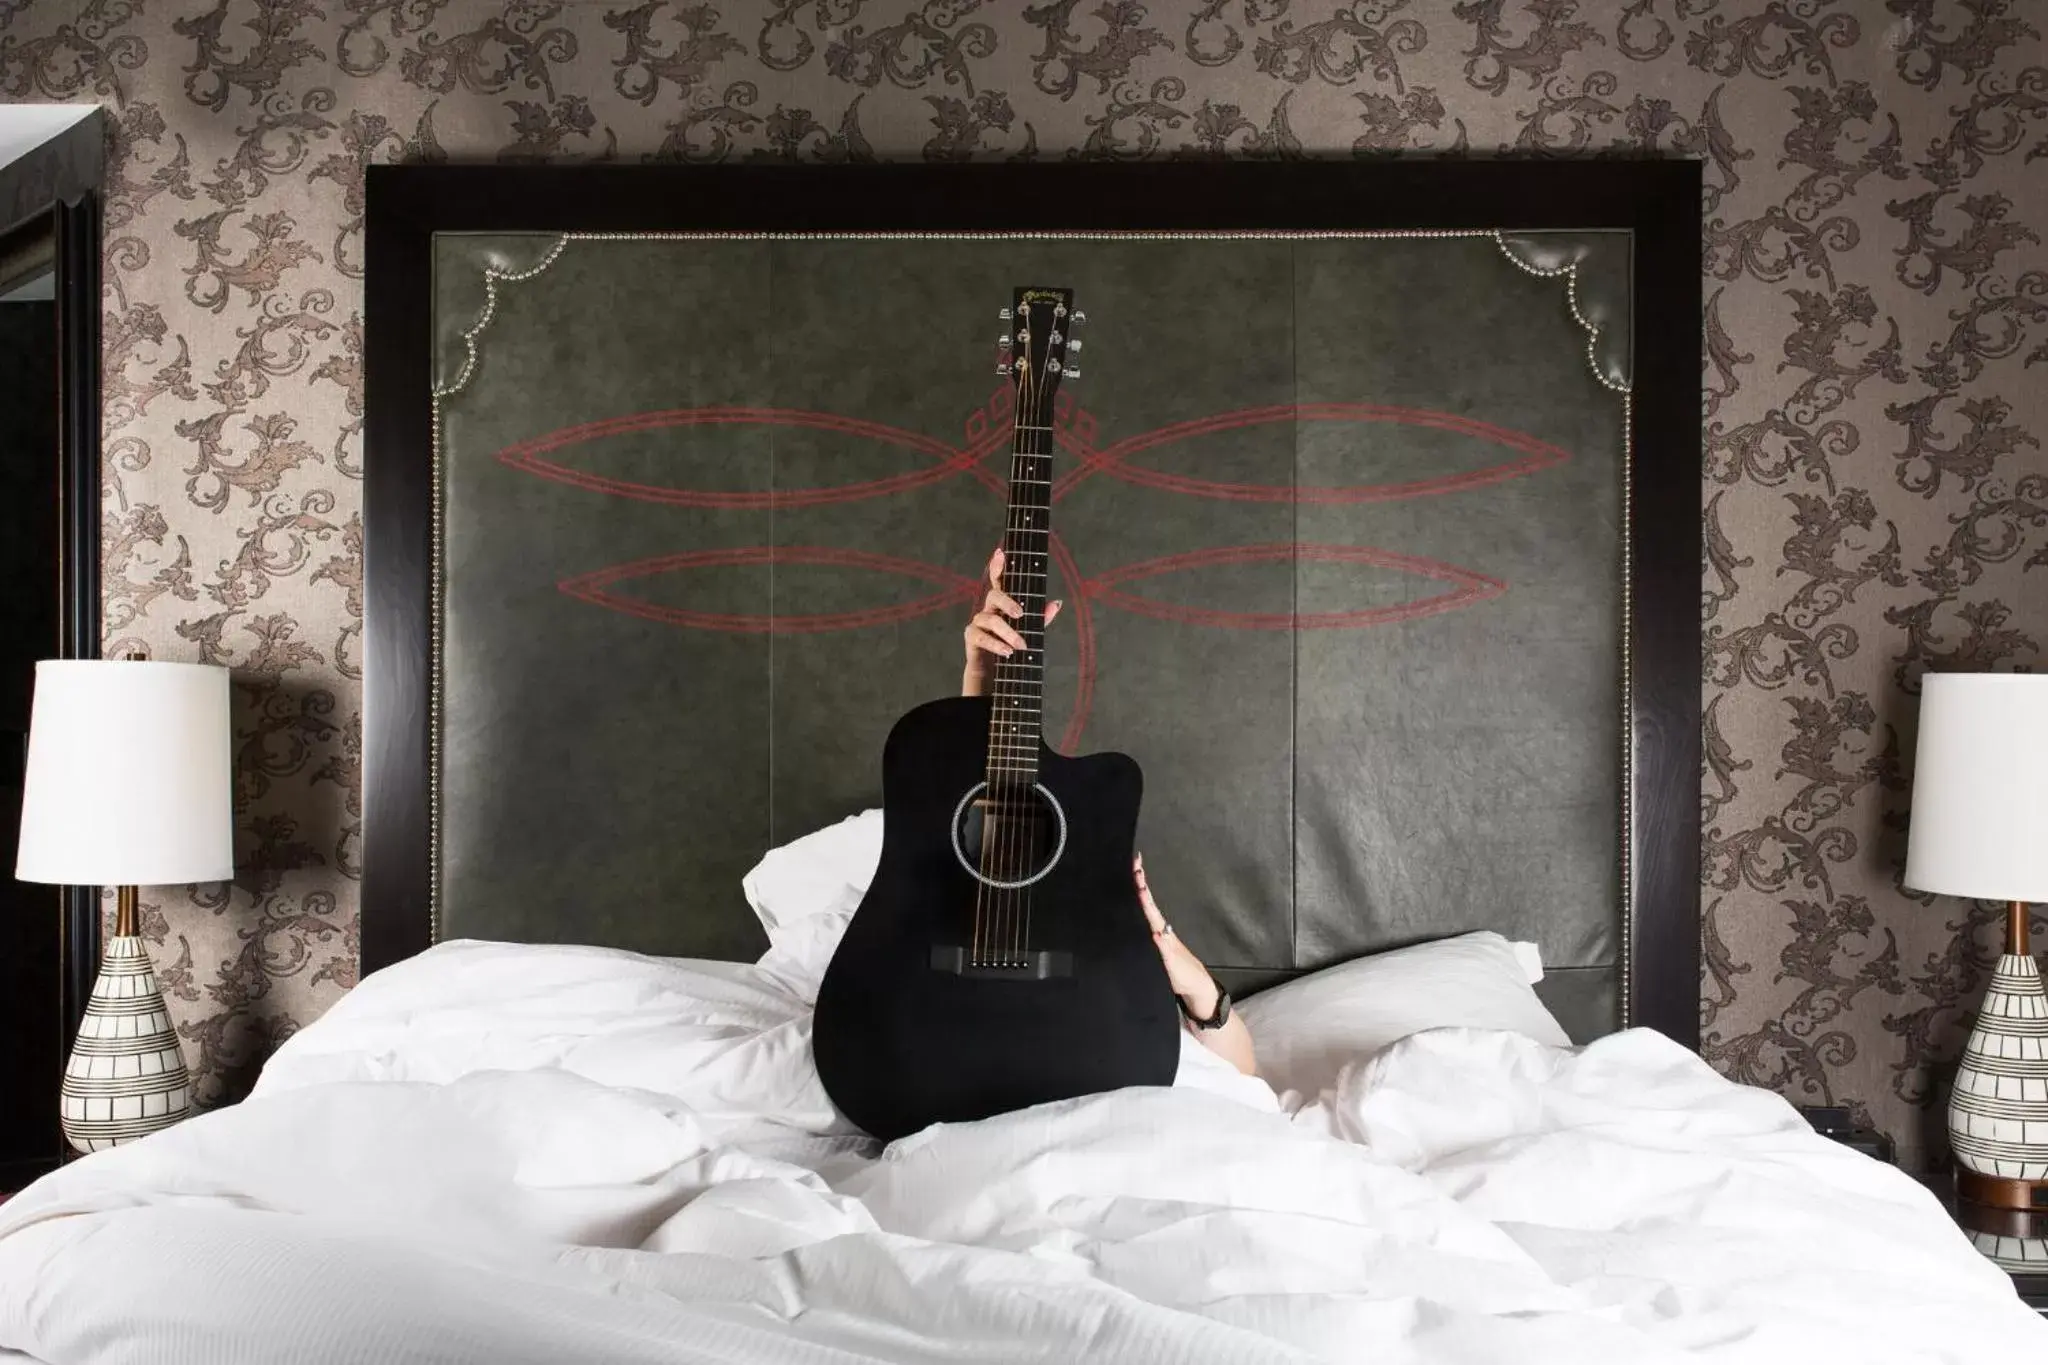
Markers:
point(550, 1155)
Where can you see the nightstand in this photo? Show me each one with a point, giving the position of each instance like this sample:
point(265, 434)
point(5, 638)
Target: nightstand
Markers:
point(2017, 1241)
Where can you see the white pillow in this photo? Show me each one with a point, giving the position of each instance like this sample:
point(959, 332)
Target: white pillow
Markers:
point(824, 873)
point(1306, 1030)
point(805, 892)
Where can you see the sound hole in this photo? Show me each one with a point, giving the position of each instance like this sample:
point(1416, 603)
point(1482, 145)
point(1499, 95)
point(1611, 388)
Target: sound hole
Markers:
point(1008, 837)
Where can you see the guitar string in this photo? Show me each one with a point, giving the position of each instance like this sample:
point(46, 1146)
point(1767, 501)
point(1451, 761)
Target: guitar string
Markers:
point(993, 822)
point(1017, 821)
point(1041, 436)
point(992, 792)
point(1041, 433)
point(1006, 671)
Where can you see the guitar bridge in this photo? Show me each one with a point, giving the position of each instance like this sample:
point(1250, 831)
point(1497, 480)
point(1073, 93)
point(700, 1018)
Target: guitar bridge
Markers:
point(1040, 965)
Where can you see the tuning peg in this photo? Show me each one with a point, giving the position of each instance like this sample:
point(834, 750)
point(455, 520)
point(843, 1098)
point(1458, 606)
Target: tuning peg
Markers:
point(1072, 347)
point(1004, 314)
point(1002, 368)
point(1004, 341)
point(1080, 318)
point(1072, 372)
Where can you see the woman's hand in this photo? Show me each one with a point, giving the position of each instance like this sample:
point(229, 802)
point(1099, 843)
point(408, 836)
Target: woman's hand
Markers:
point(1193, 984)
point(990, 636)
point(1190, 979)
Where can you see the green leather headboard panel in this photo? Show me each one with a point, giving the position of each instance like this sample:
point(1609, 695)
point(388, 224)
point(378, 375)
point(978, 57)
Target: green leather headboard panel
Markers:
point(1342, 547)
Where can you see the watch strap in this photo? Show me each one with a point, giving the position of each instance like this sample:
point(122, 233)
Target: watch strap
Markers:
point(1217, 1018)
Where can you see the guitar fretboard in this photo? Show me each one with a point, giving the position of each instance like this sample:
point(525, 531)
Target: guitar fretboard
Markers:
point(1017, 697)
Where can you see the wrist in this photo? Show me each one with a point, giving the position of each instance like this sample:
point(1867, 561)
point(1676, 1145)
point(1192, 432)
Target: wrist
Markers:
point(1200, 1003)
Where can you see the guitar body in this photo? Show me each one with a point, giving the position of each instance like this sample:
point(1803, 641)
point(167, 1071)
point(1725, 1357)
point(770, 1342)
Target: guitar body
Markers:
point(907, 1035)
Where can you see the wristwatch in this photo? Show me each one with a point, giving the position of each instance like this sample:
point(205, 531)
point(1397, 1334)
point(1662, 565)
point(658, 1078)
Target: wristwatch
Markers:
point(1218, 1019)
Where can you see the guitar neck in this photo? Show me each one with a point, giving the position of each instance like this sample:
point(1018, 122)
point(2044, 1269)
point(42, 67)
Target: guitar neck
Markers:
point(1018, 695)
point(1036, 358)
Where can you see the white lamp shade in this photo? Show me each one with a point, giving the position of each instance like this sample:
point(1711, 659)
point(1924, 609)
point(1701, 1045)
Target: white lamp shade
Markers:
point(130, 775)
point(1980, 787)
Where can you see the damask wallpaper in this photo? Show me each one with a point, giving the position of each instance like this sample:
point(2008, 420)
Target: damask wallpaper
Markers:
point(1874, 484)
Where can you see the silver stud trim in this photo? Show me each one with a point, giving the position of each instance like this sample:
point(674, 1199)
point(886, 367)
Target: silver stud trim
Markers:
point(1628, 694)
point(471, 337)
point(1571, 295)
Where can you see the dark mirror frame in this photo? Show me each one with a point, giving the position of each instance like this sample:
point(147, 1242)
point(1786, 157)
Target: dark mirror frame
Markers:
point(54, 190)
point(1658, 201)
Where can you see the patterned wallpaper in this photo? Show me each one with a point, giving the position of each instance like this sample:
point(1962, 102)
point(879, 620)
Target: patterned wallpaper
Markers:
point(1875, 487)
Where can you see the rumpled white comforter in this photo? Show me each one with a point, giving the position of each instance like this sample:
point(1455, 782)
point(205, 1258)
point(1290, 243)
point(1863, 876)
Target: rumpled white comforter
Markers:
point(551, 1155)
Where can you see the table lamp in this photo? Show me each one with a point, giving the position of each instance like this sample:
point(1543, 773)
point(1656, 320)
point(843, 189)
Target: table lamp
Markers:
point(129, 784)
point(1980, 829)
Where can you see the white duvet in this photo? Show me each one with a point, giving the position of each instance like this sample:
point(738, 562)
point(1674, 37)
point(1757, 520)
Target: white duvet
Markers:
point(510, 1155)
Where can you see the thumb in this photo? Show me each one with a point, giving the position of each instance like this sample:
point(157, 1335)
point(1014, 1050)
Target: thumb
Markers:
point(1052, 609)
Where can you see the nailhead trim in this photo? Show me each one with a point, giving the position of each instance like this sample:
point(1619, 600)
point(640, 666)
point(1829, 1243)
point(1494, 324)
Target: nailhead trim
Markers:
point(1571, 294)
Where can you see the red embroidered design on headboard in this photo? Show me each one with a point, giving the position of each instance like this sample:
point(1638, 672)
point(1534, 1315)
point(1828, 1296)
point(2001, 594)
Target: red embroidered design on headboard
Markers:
point(985, 432)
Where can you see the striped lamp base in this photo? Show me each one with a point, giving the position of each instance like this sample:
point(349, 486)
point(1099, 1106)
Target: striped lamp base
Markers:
point(1998, 1112)
point(2018, 1255)
point(125, 1078)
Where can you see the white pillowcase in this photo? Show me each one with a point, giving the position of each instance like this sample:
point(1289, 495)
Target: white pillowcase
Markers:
point(804, 893)
point(823, 873)
point(1307, 1029)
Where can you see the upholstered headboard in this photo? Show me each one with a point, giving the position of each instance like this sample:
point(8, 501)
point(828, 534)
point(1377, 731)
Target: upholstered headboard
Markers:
point(671, 515)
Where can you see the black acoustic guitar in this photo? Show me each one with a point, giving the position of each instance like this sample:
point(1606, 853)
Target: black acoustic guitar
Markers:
point(1000, 958)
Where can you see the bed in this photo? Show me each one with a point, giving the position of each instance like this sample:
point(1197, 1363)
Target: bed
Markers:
point(673, 502)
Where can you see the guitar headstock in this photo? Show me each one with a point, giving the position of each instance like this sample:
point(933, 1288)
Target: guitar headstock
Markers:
point(1039, 345)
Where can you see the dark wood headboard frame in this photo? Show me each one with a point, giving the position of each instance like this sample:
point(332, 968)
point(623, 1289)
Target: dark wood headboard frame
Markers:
point(1658, 201)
